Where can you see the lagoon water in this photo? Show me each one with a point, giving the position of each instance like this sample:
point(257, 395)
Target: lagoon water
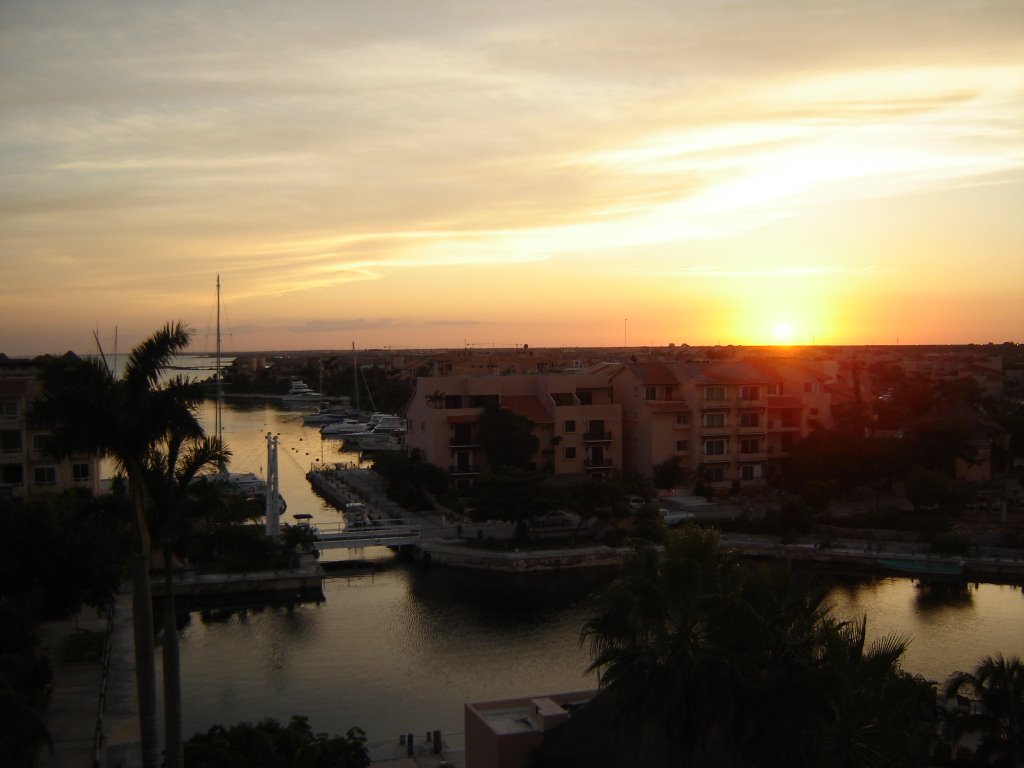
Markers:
point(400, 649)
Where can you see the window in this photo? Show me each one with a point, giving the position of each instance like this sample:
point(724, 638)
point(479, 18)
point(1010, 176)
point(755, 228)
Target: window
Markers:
point(11, 474)
point(650, 393)
point(41, 442)
point(562, 398)
point(715, 447)
point(453, 401)
point(714, 393)
point(570, 452)
point(714, 474)
point(814, 411)
point(44, 476)
point(570, 426)
point(750, 445)
point(714, 419)
point(585, 398)
point(750, 419)
point(751, 392)
point(682, 419)
point(682, 445)
point(10, 441)
point(9, 409)
point(775, 389)
point(80, 473)
point(750, 472)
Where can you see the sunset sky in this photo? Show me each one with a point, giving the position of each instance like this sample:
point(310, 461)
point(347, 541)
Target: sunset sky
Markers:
point(432, 173)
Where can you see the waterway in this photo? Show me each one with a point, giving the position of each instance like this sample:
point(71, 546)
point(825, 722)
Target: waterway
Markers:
point(396, 649)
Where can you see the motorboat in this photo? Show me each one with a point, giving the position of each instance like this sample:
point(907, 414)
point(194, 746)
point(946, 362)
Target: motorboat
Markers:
point(343, 427)
point(384, 435)
point(300, 392)
point(322, 416)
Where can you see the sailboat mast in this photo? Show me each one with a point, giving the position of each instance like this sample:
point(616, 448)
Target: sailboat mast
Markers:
point(217, 426)
point(355, 374)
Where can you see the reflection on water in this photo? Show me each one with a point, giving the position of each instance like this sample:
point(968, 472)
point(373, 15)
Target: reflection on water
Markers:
point(402, 649)
point(387, 651)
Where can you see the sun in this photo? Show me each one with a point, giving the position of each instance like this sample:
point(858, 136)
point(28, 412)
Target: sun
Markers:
point(783, 332)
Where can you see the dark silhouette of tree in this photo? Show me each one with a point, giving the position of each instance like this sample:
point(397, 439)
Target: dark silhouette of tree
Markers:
point(996, 688)
point(171, 466)
point(707, 663)
point(90, 409)
point(269, 743)
point(507, 439)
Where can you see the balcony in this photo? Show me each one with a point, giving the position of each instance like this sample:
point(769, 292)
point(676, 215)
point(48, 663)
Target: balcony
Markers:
point(597, 437)
point(783, 426)
point(464, 469)
point(464, 441)
point(754, 456)
point(595, 464)
point(11, 453)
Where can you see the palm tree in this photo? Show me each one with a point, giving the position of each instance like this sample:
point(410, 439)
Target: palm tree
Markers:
point(997, 689)
point(91, 409)
point(170, 468)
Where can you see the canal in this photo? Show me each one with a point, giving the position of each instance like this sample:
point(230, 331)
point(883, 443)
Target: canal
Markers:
point(394, 648)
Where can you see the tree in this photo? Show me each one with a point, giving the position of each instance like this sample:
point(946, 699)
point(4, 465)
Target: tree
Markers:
point(996, 687)
point(507, 439)
point(706, 663)
point(170, 468)
point(90, 409)
point(268, 743)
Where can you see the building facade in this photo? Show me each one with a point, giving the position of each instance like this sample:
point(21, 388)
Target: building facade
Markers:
point(575, 421)
point(27, 469)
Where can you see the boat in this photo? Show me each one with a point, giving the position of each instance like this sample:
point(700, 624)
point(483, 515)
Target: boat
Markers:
point(300, 392)
point(376, 442)
point(323, 416)
point(343, 427)
point(384, 435)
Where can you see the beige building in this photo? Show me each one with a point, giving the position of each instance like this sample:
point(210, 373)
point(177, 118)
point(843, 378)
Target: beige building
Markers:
point(730, 423)
point(501, 734)
point(27, 470)
point(575, 420)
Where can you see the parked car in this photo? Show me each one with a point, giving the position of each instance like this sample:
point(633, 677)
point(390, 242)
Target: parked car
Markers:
point(674, 516)
point(557, 518)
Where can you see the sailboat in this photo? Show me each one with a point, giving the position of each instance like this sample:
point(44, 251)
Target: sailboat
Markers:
point(243, 483)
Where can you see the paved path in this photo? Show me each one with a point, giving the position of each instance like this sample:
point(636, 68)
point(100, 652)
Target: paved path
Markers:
point(73, 715)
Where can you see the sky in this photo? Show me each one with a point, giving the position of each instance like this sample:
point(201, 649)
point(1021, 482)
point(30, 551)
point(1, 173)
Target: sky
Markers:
point(442, 173)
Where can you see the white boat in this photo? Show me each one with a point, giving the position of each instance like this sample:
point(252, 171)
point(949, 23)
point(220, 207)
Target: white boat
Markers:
point(323, 416)
point(374, 442)
point(299, 392)
point(350, 426)
point(385, 435)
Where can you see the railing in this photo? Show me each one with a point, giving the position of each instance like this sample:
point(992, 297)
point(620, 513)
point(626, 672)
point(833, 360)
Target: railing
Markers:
point(463, 442)
point(597, 463)
point(464, 469)
point(597, 437)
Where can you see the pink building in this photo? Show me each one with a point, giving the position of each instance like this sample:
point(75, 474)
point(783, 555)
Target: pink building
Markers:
point(575, 420)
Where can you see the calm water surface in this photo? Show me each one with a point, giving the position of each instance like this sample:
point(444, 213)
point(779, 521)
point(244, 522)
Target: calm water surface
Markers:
point(401, 649)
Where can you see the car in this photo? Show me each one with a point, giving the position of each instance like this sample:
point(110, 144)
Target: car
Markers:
point(636, 502)
point(675, 516)
point(558, 518)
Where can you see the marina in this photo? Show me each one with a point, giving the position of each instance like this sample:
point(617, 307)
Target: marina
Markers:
point(396, 648)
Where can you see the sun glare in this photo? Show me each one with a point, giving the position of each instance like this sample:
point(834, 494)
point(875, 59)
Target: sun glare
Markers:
point(783, 332)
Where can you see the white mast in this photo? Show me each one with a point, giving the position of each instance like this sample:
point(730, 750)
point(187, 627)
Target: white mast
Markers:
point(273, 509)
point(355, 374)
point(218, 428)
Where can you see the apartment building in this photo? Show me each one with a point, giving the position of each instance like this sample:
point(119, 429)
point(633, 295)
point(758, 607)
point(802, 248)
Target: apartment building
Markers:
point(731, 424)
point(27, 470)
point(575, 420)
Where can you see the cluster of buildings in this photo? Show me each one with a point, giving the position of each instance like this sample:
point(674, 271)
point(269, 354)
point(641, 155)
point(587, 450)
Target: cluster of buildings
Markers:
point(730, 424)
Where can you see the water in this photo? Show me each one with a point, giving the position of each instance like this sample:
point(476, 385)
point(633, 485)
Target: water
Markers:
point(402, 649)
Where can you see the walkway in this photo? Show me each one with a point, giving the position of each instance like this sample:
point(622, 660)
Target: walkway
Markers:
point(74, 714)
